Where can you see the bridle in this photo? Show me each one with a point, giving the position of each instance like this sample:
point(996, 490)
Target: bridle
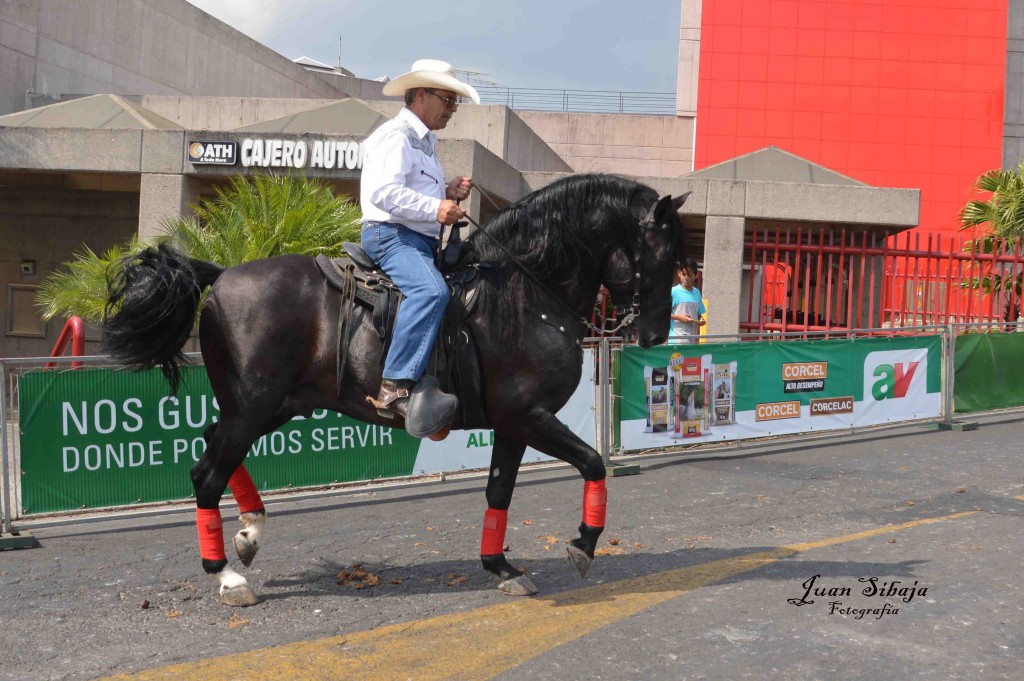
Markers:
point(628, 315)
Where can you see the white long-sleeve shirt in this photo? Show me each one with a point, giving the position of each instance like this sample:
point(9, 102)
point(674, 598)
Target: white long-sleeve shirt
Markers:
point(402, 179)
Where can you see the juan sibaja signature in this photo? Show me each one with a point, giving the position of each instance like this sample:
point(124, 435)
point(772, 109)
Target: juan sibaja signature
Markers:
point(874, 588)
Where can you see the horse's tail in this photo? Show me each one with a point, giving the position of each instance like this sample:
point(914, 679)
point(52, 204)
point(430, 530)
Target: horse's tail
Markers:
point(152, 308)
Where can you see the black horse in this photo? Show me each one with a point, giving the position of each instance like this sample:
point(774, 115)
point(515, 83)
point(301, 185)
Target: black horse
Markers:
point(269, 338)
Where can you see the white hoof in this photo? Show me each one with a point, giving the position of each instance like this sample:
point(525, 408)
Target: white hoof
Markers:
point(247, 540)
point(517, 586)
point(245, 546)
point(238, 596)
point(234, 590)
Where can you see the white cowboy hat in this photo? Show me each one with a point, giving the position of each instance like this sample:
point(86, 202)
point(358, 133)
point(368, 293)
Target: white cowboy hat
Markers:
point(430, 73)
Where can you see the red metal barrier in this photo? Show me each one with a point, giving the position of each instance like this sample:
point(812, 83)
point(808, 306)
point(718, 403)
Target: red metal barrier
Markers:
point(604, 312)
point(815, 279)
point(73, 333)
point(956, 280)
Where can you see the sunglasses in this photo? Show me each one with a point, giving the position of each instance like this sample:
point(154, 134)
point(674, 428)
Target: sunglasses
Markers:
point(449, 102)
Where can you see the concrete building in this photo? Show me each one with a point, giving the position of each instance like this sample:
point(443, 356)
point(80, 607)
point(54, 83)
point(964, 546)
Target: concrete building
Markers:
point(53, 48)
point(105, 137)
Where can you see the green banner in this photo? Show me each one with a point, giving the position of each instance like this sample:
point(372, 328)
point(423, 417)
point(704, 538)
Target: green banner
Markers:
point(94, 438)
point(100, 437)
point(989, 372)
point(678, 394)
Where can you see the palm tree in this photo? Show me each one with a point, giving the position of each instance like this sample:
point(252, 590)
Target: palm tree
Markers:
point(258, 217)
point(1003, 213)
point(1001, 221)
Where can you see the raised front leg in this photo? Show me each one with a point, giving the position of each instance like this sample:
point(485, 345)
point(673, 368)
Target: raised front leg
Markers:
point(595, 504)
point(543, 431)
point(506, 457)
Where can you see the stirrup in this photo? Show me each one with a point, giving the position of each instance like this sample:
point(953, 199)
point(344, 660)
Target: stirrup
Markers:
point(430, 409)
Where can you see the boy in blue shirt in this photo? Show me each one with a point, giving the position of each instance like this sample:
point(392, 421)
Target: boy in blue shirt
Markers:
point(687, 305)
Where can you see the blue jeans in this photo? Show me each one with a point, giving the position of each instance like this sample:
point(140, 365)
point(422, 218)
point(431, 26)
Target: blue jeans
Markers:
point(408, 258)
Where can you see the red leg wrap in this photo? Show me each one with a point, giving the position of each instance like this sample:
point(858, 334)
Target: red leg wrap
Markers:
point(211, 533)
point(493, 540)
point(244, 491)
point(595, 503)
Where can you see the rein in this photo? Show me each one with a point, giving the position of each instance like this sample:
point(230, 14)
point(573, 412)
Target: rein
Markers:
point(627, 315)
point(530, 275)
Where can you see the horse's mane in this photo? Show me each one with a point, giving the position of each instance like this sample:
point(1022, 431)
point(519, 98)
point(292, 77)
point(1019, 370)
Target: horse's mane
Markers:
point(554, 232)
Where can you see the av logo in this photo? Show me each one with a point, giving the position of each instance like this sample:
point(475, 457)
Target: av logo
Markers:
point(896, 375)
point(893, 380)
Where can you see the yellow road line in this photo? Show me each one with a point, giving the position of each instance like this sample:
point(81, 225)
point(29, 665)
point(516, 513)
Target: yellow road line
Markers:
point(482, 643)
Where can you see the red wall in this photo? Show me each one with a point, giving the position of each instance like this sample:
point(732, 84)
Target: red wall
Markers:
point(898, 93)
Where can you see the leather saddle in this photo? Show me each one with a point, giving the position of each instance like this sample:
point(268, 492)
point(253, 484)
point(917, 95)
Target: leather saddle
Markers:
point(454, 360)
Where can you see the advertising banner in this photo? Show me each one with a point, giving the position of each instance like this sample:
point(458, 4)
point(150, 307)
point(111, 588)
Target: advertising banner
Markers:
point(989, 371)
point(681, 394)
point(101, 437)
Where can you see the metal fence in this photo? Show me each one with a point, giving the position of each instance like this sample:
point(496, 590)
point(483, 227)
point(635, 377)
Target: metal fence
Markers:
point(11, 370)
point(831, 278)
point(607, 389)
point(92, 439)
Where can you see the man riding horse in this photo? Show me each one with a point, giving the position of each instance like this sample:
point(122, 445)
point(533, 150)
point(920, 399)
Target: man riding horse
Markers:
point(271, 330)
point(405, 199)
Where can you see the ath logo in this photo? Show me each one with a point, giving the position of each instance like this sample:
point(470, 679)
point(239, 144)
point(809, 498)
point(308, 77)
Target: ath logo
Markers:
point(893, 380)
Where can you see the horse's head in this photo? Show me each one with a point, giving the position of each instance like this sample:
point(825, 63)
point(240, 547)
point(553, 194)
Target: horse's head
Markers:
point(639, 276)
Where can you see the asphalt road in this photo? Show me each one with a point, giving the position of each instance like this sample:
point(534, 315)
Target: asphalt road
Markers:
point(702, 556)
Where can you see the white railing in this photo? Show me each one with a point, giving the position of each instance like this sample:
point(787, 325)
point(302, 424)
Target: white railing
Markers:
point(582, 101)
